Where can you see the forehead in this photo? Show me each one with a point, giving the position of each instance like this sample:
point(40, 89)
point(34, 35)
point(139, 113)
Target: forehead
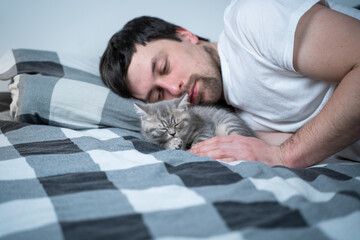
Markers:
point(139, 73)
point(141, 59)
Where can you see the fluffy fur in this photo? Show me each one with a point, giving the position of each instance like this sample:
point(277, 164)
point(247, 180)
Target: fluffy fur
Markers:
point(174, 124)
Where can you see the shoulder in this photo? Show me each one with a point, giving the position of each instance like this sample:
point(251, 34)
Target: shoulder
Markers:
point(255, 15)
point(250, 4)
point(249, 7)
point(256, 25)
point(266, 28)
point(266, 9)
point(242, 8)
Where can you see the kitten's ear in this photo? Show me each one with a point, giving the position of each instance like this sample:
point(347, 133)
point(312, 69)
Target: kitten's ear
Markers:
point(183, 102)
point(140, 109)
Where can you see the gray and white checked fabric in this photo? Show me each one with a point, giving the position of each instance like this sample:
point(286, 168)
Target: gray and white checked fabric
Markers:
point(63, 90)
point(58, 183)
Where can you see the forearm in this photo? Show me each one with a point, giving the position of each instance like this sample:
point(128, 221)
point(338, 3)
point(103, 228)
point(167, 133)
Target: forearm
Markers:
point(334, 128)
point(274, 138)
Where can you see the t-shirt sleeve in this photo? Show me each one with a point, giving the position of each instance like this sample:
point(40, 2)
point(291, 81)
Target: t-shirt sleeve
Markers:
point(266, 28)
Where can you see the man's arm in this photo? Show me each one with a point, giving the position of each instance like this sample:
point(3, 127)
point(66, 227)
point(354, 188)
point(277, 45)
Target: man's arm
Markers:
point(327, 48)
point(334, 128)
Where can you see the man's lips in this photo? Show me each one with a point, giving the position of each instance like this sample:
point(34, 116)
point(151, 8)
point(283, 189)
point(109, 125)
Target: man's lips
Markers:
point(193, 93)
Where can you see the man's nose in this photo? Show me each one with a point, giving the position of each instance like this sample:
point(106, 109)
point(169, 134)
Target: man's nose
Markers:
point(172, 85)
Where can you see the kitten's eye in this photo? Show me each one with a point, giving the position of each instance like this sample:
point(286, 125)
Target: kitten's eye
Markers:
point(161, 127)
point(179, 124)
point(160, 130)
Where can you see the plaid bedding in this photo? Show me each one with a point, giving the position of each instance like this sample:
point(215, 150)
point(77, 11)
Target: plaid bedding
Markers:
point(63, 90)
point(58, 183)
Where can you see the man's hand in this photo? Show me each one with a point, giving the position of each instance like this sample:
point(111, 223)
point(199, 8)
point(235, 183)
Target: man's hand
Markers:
point(235, 147)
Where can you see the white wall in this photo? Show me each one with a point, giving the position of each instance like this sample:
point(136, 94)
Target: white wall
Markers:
point(84, 26)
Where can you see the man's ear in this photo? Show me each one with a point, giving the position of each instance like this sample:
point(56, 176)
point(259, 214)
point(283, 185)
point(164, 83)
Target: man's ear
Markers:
point(185, 34)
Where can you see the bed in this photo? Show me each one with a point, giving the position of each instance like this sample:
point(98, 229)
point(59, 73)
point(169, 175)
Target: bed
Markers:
point(73, 166)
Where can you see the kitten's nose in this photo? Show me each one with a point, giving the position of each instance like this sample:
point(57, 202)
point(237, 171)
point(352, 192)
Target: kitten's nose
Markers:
point(172, 132)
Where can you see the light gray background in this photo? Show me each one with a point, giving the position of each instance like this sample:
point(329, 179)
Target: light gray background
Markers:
point(84, 26)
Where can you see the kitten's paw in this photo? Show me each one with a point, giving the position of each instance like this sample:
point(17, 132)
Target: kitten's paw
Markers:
point(175, 143)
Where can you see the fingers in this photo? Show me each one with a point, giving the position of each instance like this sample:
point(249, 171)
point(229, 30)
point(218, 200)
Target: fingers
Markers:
point(219, 139)
point(225, 154)
point(224, 151)
point(235, 147)
point(210, 151)
point(229, 148)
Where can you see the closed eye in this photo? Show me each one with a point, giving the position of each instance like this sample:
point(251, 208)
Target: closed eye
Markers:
point(179, 124)
point(165, 67)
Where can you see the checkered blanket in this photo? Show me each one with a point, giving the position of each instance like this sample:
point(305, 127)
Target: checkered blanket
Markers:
point(57, 183)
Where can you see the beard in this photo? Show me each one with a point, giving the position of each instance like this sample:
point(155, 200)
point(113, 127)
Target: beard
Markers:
point(212, 80)
point(212, 90)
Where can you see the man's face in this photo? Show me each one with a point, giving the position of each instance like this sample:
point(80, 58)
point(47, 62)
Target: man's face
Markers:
point(166, 69)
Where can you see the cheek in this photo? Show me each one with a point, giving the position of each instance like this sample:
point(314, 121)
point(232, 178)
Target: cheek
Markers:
point(147, 124)
point(148, 127)
point(183, 67)
point(151, 130)
point(184, 123)
point(183, 128)
point(197, 64)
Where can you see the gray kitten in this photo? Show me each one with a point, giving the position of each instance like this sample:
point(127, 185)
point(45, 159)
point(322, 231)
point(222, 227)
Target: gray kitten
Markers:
point(174, 124)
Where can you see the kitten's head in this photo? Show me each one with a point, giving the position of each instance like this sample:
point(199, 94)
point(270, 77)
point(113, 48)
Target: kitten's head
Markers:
point(164, 120)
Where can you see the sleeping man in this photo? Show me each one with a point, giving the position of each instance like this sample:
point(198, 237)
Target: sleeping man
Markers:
point(291, 69)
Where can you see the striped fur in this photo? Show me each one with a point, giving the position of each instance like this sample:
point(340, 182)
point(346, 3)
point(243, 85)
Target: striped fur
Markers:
point(174, 124)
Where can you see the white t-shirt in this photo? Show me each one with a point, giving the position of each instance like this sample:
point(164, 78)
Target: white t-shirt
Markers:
point(256, 54)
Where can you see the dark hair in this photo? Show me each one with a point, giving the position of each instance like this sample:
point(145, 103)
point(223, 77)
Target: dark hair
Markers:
point(116, 59)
